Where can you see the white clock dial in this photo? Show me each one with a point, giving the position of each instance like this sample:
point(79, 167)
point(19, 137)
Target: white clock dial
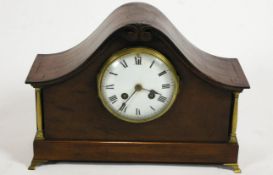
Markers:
point(138, 85)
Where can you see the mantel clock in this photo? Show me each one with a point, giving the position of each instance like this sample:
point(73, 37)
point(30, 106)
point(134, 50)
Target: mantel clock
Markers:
point(136, 91)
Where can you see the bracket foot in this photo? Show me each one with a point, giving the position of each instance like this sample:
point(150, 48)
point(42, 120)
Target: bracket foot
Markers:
point(35, 163)
point(234, 166)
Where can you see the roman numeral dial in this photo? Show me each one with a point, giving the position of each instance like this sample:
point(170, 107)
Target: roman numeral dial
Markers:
point(138, 59)
point(109, 86)
point(137, 85)
point(166, 86)
point(137, 111)
point(113, 99)
point(162, 99)
point(123, 63)
point(162, 73)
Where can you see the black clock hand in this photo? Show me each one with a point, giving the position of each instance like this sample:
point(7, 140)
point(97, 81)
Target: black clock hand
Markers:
point(123, 105)
point(130, 96)
point(152, 91)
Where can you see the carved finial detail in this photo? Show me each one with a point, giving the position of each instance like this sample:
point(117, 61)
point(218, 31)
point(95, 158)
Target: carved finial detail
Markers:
point(137, 32)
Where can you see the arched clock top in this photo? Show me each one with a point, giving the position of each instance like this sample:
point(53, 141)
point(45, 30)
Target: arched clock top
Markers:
point(136, 22)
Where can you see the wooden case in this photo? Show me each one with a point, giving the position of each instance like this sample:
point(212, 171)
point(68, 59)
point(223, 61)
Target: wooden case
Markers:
point(73, 125)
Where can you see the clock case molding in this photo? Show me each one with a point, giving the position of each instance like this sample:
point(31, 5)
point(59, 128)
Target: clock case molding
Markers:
point(73, 125)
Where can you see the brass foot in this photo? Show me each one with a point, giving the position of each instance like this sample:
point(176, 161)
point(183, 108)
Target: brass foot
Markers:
point(234, 166)
point(35, 163)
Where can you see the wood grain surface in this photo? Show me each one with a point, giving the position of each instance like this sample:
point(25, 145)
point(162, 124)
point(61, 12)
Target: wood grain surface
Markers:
point(50, 68)
point(72, 109)
point(146, 152)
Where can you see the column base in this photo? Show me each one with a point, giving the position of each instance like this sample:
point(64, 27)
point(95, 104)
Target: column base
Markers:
point(234, 166)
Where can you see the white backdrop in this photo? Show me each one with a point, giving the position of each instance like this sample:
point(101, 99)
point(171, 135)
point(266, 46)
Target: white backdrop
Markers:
point(234, 28)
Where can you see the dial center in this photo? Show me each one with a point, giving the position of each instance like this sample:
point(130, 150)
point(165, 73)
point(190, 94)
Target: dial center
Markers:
point(138, 87)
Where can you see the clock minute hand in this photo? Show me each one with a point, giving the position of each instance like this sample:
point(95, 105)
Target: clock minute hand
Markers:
point(123, 105)
point(130, 96)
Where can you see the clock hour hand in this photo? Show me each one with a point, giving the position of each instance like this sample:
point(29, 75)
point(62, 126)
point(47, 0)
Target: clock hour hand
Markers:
point(155, 92)
point(152, 91)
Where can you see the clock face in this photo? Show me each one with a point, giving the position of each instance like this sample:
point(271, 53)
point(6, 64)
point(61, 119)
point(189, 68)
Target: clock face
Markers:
point(138, 85)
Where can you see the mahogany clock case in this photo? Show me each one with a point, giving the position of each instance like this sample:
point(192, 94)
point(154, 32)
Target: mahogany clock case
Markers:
point(72, 109)
point(76, 126)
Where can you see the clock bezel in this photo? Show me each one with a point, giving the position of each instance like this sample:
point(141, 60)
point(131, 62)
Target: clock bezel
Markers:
point(136, 50)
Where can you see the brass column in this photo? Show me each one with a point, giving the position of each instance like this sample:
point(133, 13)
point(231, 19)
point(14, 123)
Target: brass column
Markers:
point(39, 120)
point(234, 166)
point(233, 138)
